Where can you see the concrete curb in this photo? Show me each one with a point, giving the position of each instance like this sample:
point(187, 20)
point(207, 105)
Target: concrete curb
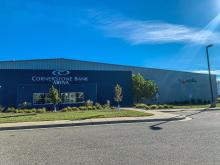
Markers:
point(92, 123)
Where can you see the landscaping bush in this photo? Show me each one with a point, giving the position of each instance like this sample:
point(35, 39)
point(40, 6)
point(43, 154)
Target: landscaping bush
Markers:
point(24, 105)
point(153, 107)
point(33, 110)
point(27, 111)
point(90, 107)
point(69, 109)
point(2, 108)
point(10, 109)
point(142, 106)
point(42, 110)
point(98, 106)
point(75, 109)
point(170, 106)
point(146, 107)
point(66, 109)
point(106, 106)
point(19, 111)
point(160, 107)
point(89, 103)
point(83, 108)
point(166, 106)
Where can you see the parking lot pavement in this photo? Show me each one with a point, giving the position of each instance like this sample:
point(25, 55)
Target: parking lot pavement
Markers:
point(195, 141)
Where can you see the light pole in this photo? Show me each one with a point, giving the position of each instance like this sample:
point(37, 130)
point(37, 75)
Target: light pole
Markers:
point(210, 78)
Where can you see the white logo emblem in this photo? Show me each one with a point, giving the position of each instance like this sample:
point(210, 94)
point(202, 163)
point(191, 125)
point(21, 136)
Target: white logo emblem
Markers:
point(61, 73)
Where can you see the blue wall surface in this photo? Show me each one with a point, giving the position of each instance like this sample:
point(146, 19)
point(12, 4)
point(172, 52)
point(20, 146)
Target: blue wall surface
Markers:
point(18, 86)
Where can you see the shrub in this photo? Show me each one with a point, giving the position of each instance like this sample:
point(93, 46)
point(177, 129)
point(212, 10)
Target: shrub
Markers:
point(68, 109)
point(2, 108)
point(24, 105)
point(146, 107)
point(106, 106)
point(160, 107)
point(83, 108)
point(142, 106)
point(63, 110)
point(89, 103)
point(153, 107)
point(25, 111)
point(42, 110)
point(90, 107)
point(19, 111)
point(10, 109)
point(98, 106)
point(170, 106)
point(74, 109)
point(166, 106)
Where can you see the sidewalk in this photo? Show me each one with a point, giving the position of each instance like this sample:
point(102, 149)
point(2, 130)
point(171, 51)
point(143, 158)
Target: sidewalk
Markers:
point(157, 116)
point(189, 109)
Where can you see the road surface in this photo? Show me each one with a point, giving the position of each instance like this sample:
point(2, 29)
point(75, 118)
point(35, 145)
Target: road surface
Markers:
point(189, 142)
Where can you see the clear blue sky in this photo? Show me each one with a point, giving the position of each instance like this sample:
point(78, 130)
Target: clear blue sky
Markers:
point(169, 34)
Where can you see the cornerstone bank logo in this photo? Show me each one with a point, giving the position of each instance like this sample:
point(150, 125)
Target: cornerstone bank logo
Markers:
point(59, 78)
point(187, 81)
point(61, 73)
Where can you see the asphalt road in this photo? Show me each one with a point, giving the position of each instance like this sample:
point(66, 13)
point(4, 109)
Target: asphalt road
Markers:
point(171, 143)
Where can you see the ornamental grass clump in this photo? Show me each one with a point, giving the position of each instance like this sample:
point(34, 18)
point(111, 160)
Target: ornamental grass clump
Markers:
point(153, 107)
point(160, 107)
point(146, 107)
point(83, 108)
point(98, 106)
point(41, 110)
point(70, 109)
point(142, 106)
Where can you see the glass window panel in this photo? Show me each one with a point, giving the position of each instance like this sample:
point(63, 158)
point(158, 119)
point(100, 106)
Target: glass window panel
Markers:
point(41, 98)
point(72, 97)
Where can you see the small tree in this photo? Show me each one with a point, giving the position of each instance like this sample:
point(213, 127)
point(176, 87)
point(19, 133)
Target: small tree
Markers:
point(143, 89)
point(138, 84)
point(54, 97)
point(118, 95)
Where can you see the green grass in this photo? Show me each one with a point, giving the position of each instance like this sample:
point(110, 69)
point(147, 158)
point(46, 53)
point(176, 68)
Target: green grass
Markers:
point(79, 115)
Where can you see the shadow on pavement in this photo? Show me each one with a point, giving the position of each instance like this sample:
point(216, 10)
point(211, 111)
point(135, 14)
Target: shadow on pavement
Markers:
point(156, 127)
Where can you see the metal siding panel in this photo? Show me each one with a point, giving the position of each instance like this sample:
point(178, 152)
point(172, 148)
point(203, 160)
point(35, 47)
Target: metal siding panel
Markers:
point(166, 80)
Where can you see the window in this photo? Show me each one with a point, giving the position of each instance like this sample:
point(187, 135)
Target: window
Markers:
point(41, 98)
point(66, 98)
point(72, 97)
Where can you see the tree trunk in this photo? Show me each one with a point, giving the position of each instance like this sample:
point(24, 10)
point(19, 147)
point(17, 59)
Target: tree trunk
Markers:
point(118, 106)
point(55, 108)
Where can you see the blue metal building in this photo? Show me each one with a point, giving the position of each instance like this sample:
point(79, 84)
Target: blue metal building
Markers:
point(94, 81)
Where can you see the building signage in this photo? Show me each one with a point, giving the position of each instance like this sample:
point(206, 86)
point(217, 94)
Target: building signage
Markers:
point(59, 78)
point(187, 81)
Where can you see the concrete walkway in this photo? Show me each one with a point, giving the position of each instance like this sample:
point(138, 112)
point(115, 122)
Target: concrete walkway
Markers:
point(157, 116)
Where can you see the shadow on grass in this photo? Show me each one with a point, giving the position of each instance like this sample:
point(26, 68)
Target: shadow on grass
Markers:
point(21, 115)
point(156, 127)
point(90, 117)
